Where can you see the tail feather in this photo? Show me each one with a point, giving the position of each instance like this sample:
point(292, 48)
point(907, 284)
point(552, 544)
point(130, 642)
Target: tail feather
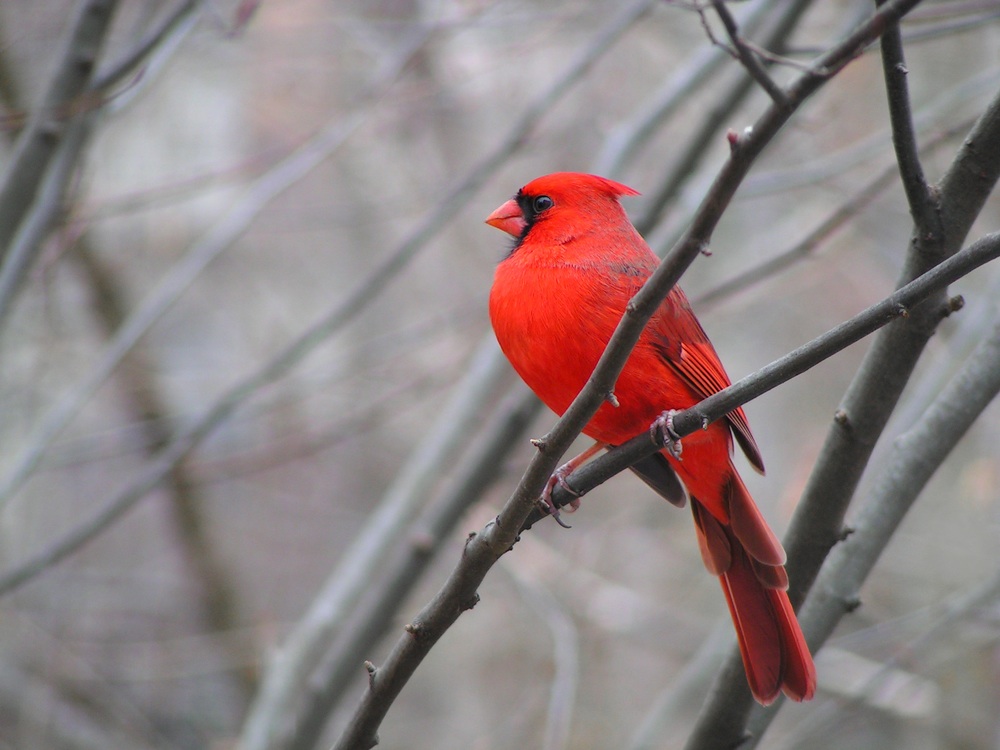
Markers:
point(799, 682)
point(775, 655)
point(749, 525)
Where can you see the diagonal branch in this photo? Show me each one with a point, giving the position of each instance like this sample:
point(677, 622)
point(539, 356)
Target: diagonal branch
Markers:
point(485, 548)
point(828, 226)
point(168, 27)
point(893, 307)
point(694, 149)
point(38, 143)
point(27, 242)
point(203, 252)
point(625, 140)
point(747, 56)
point(915, 456)
point(817, 525)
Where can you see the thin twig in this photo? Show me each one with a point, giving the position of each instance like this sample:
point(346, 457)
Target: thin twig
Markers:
point(694, 149)
point(205, 250)
point(923, 205)
point(747, 56)
point(835, 220)
point(134, 57)
point(625, 140)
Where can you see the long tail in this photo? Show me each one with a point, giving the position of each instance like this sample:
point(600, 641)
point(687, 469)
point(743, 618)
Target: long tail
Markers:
point(749, 561)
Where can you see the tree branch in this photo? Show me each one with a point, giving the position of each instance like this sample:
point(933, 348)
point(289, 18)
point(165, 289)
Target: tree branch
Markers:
point(625, 140)
point(349, 614)
point(893, 307)
point(916, 455)
point(203, 252)
point(923, 205)
point(817, 525)
point(167, 28)
point(38, 143)
point(828, 226)
point(746, 56)
point(483, 549)
point(729, 99)
point(27, 242)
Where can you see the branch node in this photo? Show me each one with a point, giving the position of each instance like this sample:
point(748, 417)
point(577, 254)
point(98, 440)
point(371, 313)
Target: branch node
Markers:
point(902, 311)
point(539, 443)
point(413, 628)
point(50, 129)
point(468, 540)
point(841, 418)
point(734, 140)
point(612, 399)
point(470, 602)
point(955, 304)
point(851, 604)
point(372, 671)
point(844, 534)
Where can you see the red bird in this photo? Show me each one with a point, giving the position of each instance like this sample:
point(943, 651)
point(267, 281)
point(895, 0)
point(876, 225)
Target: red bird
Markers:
point(556, 300)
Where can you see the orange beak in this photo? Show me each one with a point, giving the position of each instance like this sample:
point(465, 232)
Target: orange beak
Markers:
point(508, 218)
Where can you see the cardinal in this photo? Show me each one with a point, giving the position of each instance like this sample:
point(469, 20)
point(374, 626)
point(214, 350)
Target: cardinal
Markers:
point(557, 297)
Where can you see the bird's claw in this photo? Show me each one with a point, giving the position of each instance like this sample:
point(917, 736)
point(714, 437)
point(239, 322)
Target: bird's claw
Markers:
point(662, 432)
point(559, 478)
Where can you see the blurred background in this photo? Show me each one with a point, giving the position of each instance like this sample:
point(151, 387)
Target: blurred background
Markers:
point(267, 161)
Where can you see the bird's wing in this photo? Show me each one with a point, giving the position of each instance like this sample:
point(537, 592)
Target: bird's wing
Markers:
point(700, 367)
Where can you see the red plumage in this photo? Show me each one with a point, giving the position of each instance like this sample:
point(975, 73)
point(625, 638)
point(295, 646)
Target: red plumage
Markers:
point(556, 300)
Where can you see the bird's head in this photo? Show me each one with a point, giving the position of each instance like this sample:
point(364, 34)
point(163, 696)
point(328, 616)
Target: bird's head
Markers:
point(561, 205)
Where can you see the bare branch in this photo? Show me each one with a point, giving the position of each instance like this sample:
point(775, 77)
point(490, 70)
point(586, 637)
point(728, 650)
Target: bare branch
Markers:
point(204, 251)
point(626, 139)
point(915, 456)
point(182, 16)
point(817, 525)
point(37, 144)
point(484, 549)
point(896, 305)
point(808, 244)
point(693, 150)
point(747, 56)
point(923, 206)
point(27, 242)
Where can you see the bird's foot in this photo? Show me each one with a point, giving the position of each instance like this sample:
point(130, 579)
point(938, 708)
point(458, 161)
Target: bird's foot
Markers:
point(662, 432)
point(559, 478)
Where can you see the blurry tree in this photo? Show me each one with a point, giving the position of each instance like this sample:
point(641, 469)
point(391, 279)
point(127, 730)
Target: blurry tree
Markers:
point(249, 389)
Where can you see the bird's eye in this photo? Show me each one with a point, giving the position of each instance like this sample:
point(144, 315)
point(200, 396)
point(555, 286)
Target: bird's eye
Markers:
point(541, 203)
